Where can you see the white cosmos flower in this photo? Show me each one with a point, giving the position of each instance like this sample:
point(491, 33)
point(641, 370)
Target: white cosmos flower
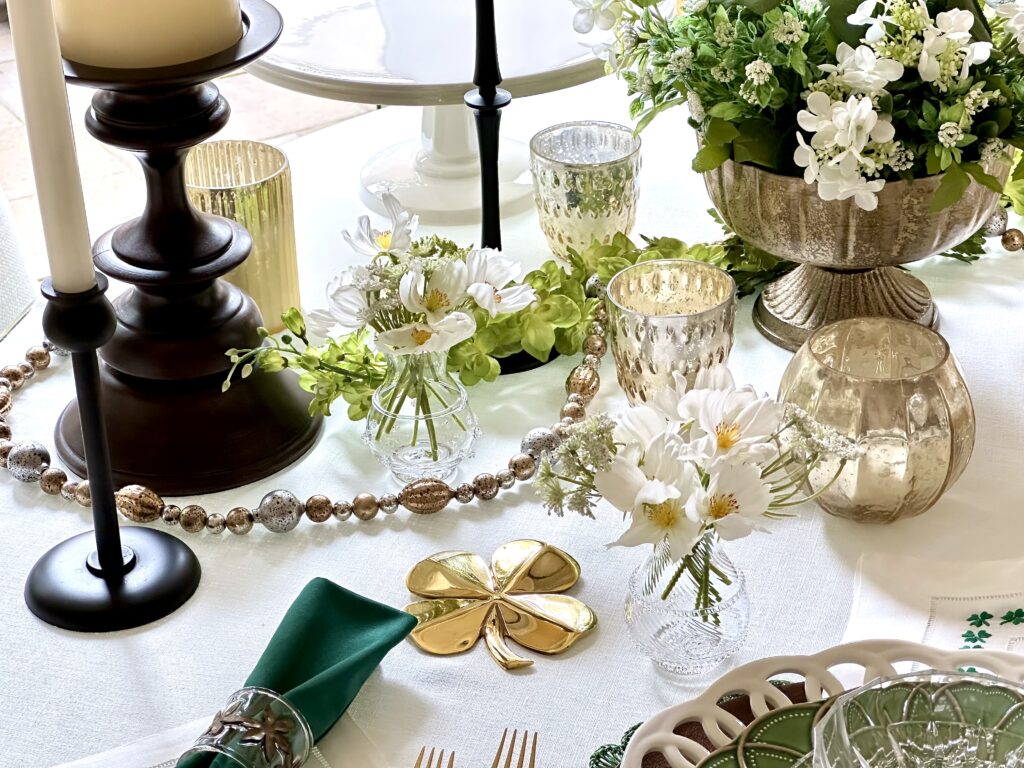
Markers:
point(422, 337)
point(437, 295)
point(653, 491)
point(347, 309)
point(489, 274)
point(731, 423)
point(637, 429)
point(734, 501)
point(864, 16)
point(861, 70)
point(595, 13)
point(396, 241)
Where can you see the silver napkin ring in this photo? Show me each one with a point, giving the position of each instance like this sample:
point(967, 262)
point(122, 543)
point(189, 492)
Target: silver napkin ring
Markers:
point(257, 728)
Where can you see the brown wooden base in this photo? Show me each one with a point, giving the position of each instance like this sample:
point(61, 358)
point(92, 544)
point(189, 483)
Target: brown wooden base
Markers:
point(186, 438)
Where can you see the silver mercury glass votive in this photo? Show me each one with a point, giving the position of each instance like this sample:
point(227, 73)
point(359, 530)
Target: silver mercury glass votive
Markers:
point(666, 317)
point(585, 182)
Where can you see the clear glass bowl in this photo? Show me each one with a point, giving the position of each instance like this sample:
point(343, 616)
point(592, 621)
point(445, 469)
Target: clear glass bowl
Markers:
point(585, 182)
point(894, 388)
point(666, 317)
point(925, 720)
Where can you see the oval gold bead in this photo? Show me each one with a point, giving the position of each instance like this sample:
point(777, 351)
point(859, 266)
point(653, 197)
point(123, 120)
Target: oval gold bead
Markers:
point(426, 496)
point(583, 381)
point(138, 503)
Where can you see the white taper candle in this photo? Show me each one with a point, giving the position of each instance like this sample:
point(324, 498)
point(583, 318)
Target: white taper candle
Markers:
point(52, 145)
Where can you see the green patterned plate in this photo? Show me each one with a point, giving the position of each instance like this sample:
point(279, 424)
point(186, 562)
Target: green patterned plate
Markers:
point(779, 739)
point(782, 738)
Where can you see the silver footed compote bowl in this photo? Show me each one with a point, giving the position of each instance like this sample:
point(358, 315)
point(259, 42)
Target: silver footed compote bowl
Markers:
point(849, 258)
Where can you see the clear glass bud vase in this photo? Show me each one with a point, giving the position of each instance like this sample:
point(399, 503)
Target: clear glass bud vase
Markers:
point(420, 423)
point(672, 630)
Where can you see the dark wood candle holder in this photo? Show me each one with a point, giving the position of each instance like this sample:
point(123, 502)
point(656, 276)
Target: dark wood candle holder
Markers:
point(170, 427)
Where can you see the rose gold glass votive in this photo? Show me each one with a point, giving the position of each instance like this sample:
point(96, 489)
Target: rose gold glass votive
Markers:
point(251, 183)
point(666, 317)
point(895, 389)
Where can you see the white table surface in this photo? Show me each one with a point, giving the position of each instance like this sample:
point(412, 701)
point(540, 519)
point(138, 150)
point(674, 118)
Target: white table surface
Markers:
point(419, 53)
point(65, 696)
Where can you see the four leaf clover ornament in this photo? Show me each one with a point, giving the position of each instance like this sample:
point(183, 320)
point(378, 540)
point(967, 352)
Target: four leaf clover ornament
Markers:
point(518, 596)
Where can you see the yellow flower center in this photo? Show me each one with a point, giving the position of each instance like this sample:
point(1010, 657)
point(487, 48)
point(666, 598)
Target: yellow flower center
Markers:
point(721, 506)
point(383, 239)
point(421, 336)
point(727, 435)
point(435, 300)
point(665, 514)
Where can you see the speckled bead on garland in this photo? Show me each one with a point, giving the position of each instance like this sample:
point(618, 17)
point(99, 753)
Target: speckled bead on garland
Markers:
point(281, 511)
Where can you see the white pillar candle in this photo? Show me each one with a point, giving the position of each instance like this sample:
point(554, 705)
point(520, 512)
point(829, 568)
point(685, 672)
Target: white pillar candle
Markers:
point(132, 34)
point(52, 145)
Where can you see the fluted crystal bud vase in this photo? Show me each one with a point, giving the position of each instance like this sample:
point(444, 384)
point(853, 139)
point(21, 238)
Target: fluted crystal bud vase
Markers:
point(420, 423)
point(673, 626)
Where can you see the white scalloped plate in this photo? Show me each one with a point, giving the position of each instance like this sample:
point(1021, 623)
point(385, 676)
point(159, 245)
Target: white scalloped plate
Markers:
point(868, 659)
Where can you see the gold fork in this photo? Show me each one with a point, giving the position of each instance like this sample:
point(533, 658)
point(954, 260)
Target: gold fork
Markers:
point(512, 751)
point(430, 759)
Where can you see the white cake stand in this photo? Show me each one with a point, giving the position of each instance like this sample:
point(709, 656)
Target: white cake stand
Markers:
point(421, 53)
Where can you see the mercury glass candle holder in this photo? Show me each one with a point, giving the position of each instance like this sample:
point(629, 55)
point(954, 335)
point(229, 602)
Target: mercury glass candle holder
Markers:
point(585, 182)
point(668, 317)
point(250, 182)
point(895, 388)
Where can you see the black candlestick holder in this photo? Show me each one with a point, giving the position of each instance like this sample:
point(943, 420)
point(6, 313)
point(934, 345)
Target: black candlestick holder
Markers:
point(106, 579)
point(487, 100)
point(175, 431)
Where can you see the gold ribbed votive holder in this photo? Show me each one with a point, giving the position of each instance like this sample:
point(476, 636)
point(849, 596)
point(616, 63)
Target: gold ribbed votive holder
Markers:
point(250, 182)
point(668, 317)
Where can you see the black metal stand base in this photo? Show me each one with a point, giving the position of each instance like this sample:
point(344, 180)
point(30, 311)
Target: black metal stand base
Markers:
point(66, 587)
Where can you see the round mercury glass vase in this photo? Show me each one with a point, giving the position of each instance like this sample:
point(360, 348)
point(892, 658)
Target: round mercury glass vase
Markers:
point(420, 423)
point(925, 719)
point(585, 182)
point(896, 390)
point(849, 258)
point(670, 630)
point(668, 317)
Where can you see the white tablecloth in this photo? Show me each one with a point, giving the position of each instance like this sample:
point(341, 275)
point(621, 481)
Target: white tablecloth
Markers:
point(65, 696)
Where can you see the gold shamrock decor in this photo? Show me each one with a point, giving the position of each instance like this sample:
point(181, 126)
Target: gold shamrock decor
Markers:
point(513, 598)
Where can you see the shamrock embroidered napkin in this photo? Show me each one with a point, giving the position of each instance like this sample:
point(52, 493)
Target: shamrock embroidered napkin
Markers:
point(939, 603)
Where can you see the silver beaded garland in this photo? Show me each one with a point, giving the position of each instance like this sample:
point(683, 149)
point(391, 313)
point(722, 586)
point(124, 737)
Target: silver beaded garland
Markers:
point(171, 514)
point(27, 460)
point(342, 510)
point(539, 441)
point(279, 511)
point(594, 287)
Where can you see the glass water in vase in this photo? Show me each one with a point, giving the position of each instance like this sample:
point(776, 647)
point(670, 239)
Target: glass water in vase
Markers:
point(668, 621)
point(420, 423)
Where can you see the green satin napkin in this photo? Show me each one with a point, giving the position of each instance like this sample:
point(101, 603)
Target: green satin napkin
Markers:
point(328, 644)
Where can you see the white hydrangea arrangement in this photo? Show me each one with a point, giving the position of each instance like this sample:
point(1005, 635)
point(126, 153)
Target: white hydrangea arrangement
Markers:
point(849, 96)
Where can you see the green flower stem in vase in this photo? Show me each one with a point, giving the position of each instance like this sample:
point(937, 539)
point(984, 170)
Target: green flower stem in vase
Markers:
point(420, 423)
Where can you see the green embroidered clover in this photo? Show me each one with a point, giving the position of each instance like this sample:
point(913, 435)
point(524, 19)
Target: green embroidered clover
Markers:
point(980, 619)
point(975, 640)
point(1013, 617)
